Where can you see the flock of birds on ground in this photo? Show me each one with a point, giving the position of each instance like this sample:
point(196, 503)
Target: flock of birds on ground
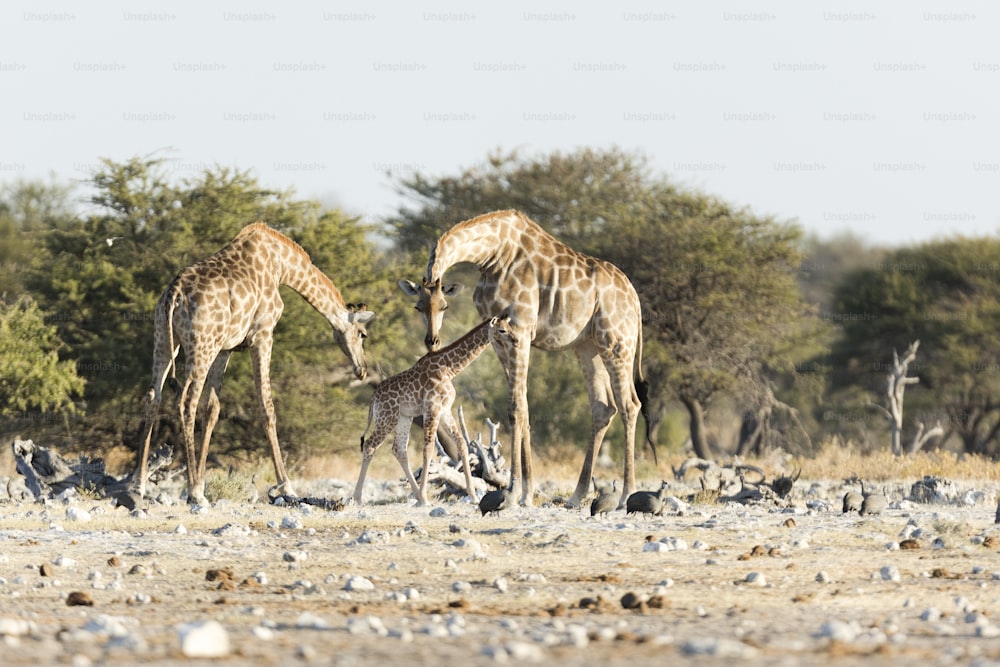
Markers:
point(865, 502)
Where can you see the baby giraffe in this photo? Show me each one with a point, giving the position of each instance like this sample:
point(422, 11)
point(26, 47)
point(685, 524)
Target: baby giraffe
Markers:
point(426, 390)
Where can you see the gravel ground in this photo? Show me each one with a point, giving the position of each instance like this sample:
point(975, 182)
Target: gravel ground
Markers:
point(85, 583)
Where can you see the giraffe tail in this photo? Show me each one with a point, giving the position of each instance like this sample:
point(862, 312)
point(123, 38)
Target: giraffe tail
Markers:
point(642, 391)
point(173, 296)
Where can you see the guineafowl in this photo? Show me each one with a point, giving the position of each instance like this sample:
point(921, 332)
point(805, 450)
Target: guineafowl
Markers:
point(647, 502)
point(873, 504)
point(606, 500)
point(494, 501)
point(852, 501)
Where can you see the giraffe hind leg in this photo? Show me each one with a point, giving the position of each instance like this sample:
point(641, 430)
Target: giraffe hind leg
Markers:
point(368, 447)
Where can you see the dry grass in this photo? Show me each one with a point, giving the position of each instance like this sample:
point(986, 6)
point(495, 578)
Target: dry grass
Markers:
point(838, 460)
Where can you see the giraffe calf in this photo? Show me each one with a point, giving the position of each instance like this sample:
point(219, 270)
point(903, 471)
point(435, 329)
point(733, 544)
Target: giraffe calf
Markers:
point(426, 390)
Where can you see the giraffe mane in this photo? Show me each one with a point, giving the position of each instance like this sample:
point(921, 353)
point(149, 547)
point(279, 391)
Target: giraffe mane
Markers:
point(261, 227)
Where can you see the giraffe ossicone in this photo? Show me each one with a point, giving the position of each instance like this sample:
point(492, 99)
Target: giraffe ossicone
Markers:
point(426, 390)
point(559, 299)
point(227, 302)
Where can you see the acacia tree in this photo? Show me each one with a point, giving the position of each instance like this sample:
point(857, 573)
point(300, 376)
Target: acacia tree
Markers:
point(719, 293)
point(945, 293)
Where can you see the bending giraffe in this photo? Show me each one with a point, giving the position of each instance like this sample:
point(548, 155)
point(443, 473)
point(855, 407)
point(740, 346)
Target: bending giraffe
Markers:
point(426, 390)
point(560, 299)
point(230, 302)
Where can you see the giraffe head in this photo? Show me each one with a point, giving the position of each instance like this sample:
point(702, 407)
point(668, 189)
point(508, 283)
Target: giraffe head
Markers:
point(431, 305)
point(502, 331)
point(350, 336)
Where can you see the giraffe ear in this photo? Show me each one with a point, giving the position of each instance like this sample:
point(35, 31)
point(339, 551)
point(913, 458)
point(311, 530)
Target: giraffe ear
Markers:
point(360, 316)
point(454, 289)
point(409, 287)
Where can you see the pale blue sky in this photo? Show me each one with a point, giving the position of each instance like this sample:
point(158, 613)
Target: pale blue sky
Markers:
point(876, 117)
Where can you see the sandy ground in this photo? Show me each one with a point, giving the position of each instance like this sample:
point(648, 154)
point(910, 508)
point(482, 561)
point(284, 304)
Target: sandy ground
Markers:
point(389, 581)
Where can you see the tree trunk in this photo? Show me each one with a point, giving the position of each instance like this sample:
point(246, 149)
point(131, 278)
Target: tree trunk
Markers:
point(699, 441)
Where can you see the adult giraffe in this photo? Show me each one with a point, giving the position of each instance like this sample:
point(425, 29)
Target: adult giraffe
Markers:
point(559, 299)
point(227, 302)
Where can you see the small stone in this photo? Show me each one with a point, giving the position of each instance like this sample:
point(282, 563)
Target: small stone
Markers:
point(204, 639)
point(79, 599)
point(822, 577)
point(988, 631)
point(890, 573)
point(357, 583)
point(755, 578)
point(45, 570)
point(631, 601)
point(291, 523)
point(840, 631)
point(77, 514)
point(931, 614)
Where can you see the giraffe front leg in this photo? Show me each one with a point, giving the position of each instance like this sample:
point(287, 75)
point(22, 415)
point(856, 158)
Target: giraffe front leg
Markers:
point(399, 450)
point(260, 354)
point(515, 363)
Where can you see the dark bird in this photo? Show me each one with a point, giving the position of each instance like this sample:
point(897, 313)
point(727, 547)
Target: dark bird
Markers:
point(647, 502)
point(495, 500)
point(606, 501)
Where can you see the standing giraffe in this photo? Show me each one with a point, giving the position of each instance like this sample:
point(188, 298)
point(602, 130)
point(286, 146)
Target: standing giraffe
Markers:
point(426, 390)
point(230, 302)
point(559, 299)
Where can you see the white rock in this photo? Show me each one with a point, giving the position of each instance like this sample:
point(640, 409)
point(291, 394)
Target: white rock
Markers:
point(890, 573)
point(358, 583)
point(755, 578)
point(204, 639)
point(15, 627)
point(822, 577)
point(291, 523)
point(840, 631)
point(310, 621)
point(987, 630)
point(718, 647)
point(77, 514)
point(932, 614)
point(500, 584)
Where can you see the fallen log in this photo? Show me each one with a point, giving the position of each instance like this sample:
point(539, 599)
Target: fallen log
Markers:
point(47, 474)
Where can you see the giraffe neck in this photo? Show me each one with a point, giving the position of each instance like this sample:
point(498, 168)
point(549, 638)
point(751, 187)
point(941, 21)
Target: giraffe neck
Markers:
point(465, 350)
point(487, 240)
point(294, 269)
